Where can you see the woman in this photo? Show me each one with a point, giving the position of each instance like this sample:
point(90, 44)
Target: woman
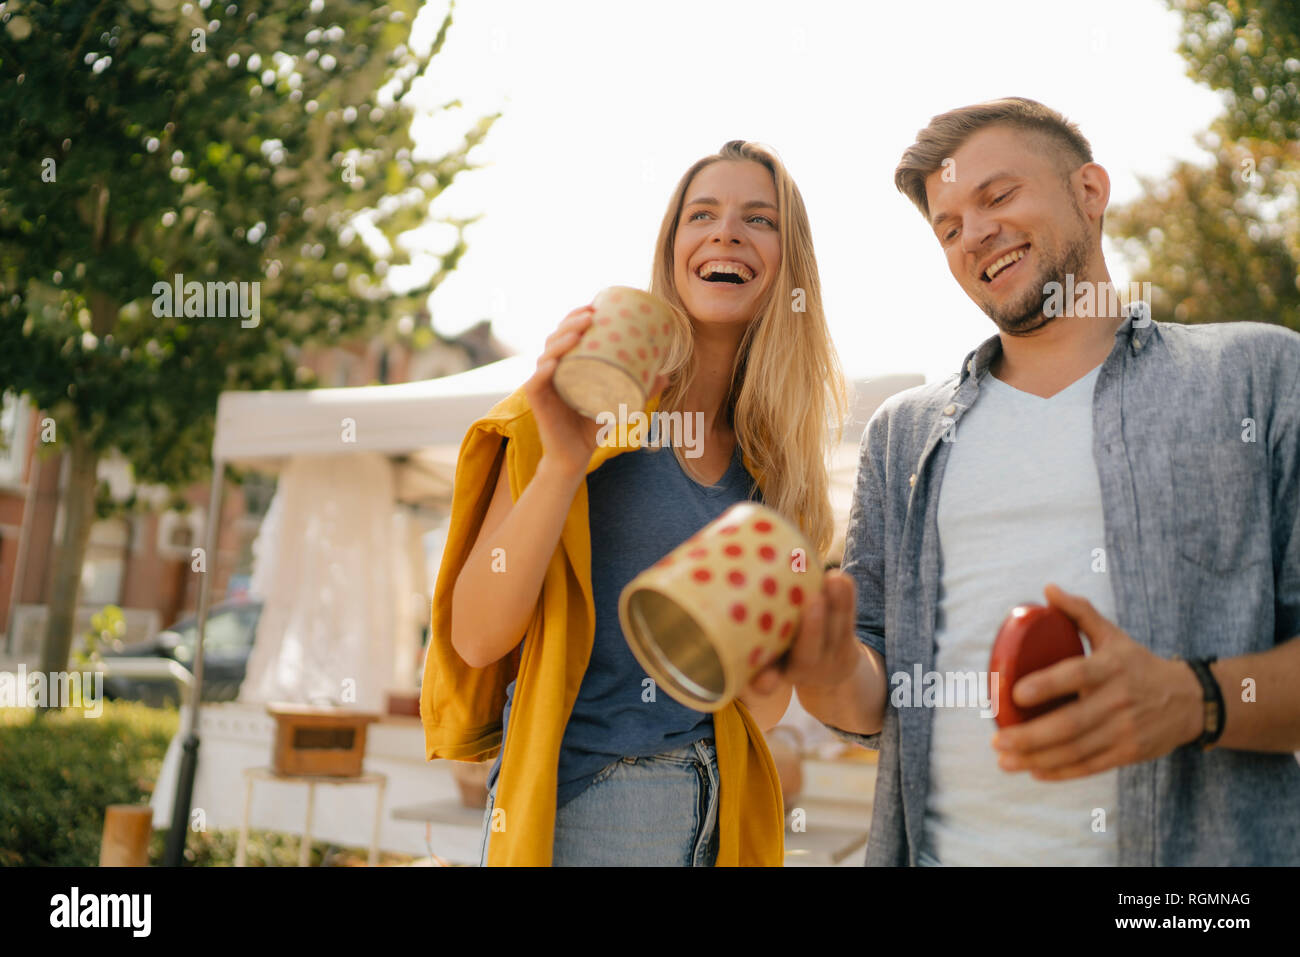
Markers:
point(597, 766)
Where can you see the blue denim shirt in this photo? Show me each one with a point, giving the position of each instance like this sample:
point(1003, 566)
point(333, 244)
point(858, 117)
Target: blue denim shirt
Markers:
point(1196, 438)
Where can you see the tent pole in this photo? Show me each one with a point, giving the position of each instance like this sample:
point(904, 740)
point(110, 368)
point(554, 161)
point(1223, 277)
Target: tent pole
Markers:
point(175, 853)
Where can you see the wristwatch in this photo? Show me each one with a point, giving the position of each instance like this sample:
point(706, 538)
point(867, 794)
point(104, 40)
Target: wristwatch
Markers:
point(1213, 698)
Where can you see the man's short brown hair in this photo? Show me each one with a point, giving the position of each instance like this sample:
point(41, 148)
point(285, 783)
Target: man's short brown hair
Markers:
point(948, 131)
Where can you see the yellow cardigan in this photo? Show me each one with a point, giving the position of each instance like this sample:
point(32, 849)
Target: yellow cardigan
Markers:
point(461, 706)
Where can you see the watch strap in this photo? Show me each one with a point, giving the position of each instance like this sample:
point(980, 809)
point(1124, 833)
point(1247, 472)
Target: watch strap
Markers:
point(1212, 696)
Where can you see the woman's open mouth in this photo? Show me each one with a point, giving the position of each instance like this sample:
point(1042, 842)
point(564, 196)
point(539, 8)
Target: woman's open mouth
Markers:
point(725, 271)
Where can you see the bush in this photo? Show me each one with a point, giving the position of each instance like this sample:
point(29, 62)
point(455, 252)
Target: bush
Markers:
point(58, 773)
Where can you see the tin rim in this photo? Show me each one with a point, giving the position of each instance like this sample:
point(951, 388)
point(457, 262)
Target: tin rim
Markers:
point(661, 663)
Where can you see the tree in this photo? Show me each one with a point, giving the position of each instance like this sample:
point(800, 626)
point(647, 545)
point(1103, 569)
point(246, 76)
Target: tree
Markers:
point(1222, 242)
point(245, 147)
point(1216, 243)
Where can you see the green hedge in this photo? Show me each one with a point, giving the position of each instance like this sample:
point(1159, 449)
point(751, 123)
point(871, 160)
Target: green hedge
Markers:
point(59, 772)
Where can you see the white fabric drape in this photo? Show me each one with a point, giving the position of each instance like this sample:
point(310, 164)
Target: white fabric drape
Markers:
point(330, 565)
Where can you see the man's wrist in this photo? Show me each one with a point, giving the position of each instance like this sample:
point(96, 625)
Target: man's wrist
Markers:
point(1212, 709)
point(827, 702)
point(1193, 703)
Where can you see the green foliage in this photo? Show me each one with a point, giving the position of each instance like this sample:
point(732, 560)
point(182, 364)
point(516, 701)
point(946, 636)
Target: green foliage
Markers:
point(1217, 246)
point(1221, 242)
point(107, 629)
point(1250, 52)
point(241, 142)
point(58, 774)
point(264, 849)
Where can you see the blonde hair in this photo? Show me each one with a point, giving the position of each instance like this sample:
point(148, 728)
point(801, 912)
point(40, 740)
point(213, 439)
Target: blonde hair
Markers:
point(787, 397)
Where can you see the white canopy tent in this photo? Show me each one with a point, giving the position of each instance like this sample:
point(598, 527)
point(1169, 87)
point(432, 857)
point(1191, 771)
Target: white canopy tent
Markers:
point(417, 424)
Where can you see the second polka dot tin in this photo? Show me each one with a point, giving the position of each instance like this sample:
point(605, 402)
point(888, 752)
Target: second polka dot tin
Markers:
point(704, 619)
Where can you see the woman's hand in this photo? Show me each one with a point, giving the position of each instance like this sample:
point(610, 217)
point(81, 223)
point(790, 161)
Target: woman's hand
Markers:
point(568, 436)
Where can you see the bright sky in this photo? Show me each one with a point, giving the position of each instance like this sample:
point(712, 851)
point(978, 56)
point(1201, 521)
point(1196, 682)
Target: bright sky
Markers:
point(606, 104)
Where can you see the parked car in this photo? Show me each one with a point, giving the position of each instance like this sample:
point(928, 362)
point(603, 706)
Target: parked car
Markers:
point(227, 643)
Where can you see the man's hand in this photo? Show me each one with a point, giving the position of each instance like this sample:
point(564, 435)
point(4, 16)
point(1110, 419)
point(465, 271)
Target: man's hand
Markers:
point(1132, 706)
point(825, 650)
point(839, 680)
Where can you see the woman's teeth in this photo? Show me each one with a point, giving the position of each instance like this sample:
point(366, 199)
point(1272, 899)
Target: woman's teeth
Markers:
point(725, 272)
point(1012, 257)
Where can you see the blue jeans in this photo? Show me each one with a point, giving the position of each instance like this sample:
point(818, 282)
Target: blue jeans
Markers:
point(657, 811)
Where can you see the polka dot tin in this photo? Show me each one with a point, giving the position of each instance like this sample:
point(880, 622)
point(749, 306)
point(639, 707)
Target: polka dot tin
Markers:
point(705, 618)
point(619, 355)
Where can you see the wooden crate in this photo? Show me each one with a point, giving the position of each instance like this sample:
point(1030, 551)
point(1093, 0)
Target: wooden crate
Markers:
point(313, 739)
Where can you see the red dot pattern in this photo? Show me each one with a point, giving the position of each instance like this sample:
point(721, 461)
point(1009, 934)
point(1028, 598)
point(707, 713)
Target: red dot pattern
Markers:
point(765, 606)
point(615, 324)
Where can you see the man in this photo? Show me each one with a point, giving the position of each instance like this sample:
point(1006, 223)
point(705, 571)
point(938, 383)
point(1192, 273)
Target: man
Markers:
point(1150, 469)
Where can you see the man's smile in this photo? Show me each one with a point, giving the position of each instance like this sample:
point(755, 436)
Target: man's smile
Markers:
point(1003, 265)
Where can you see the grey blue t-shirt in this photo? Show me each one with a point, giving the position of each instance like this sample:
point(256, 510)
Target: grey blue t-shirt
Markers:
point(641, 505)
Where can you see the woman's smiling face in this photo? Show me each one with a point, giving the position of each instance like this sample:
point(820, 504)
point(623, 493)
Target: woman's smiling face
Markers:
point(727, 249)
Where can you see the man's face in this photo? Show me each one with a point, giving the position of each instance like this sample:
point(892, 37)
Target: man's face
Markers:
point(1009, 224)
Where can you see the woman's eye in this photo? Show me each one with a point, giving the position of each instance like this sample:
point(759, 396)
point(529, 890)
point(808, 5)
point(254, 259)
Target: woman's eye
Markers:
point(695, 215)
point(1001, 198)
point(763, 219)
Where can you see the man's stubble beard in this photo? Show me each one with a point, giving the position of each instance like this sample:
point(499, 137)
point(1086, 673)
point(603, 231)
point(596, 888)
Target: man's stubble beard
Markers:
point(1026, 316)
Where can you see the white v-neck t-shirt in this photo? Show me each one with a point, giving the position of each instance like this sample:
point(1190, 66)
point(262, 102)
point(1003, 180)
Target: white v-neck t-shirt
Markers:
point(1019, 507)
